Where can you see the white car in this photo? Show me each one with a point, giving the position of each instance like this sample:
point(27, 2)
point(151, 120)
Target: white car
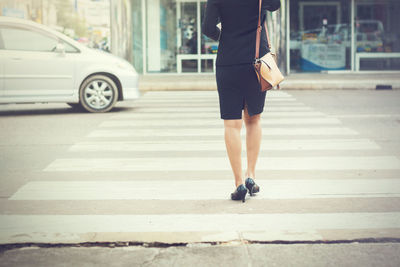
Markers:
point(41, 65)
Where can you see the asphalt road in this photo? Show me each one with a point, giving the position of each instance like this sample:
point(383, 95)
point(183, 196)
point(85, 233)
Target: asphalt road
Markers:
point(155, 172)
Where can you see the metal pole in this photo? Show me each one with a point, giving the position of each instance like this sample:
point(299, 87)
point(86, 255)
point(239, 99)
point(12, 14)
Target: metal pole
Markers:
point(144, 36)
point(178, 35)
point(353, 39)
point(198, 15)
point(287, 36)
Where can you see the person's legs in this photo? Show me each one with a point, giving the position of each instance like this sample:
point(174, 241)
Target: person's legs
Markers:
point(233, 144)
point(253, 141)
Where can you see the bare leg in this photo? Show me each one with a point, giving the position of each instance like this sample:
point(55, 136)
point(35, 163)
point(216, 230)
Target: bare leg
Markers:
point(253, 141)
point(233, 144)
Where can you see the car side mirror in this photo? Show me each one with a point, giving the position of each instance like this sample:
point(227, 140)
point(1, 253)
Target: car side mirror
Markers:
point(60, 48)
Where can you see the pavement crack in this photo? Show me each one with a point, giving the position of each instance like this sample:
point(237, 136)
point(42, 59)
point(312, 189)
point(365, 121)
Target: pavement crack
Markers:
point(246, 249)
point(10, 246)
point(149, 261)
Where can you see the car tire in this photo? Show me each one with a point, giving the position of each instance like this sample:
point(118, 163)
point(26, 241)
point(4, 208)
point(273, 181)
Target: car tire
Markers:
point(98, 93)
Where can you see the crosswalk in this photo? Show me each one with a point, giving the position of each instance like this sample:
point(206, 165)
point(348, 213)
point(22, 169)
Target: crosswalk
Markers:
point(218, 163)
point(218, 145)
point(205, 189)
point(216, 132)
point(159, 173)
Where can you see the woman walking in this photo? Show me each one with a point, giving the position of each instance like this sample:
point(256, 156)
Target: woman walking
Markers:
point(234, 24)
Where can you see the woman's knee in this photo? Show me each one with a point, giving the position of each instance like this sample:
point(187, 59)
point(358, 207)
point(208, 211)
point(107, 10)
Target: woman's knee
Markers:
point(252, 120)
point(233, 124)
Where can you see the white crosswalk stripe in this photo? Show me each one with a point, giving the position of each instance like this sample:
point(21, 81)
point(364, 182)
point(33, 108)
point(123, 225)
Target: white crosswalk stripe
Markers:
point(160, 111)
point(211, 115)
point(221, 164)
point(196, 100)
point(213, 104)
point(219, 145)
point(191, 94)
point(214, 122)
point(170, 131)
point(206, 189)
point(181, 133)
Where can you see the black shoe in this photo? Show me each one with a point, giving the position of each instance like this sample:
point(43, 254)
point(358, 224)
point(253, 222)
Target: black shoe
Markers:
point(252, 186)
point(240, 193)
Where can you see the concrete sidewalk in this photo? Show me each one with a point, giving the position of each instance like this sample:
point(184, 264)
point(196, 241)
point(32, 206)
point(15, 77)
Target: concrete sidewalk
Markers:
point(369, 81)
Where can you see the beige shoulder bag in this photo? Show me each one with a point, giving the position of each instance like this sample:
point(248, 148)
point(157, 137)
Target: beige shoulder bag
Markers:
point(267, 71)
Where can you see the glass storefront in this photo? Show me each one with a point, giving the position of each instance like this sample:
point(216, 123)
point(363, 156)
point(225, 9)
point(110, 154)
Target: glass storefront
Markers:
point(160, 38)
point(324, 35)
point(320, 35)
point(209, 48)
point(88, 22)
point(137, 35)
point(172, 43)
point(377, 35)
point(164, 36)
point(187, 36)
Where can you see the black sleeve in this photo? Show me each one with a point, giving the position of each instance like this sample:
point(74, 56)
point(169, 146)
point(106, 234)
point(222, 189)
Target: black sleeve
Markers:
point(271, 5)
point(210, 21)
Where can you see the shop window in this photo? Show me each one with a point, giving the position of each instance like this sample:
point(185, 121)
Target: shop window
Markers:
point(188, 28)
point(189, 65)
point(378, 35)
point(207, 65)
point(173, 40)
point(319, 35)
point(137, 35)
point(208, 46)
point(161, 31)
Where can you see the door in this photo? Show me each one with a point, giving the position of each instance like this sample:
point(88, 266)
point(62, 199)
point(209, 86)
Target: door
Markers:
point(196, 52)
point(187, 36)
point(32, 66)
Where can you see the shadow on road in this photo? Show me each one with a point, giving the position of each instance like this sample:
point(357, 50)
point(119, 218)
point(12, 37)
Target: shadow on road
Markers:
point(37, 110)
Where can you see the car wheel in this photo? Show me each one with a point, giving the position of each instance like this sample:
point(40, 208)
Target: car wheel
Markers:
point(98, 93)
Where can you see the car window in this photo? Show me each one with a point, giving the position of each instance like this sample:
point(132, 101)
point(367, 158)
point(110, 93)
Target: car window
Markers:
point(69, 48)
point(27, 40)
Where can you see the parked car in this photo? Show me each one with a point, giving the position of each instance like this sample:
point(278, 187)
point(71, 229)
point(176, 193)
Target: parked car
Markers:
point(38, 64)
point(369, 35)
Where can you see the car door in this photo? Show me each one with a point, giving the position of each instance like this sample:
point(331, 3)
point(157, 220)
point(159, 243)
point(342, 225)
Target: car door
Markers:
point(32, 66)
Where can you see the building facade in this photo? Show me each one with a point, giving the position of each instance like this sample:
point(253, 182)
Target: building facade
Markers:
point(164, 36)
point(87, 21)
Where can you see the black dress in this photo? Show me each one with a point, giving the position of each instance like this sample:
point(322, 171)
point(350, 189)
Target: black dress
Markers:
point(236, 78)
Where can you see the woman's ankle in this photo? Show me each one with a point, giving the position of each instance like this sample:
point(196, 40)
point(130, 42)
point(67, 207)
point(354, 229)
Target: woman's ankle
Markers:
point(250, 174)
point(238, 182)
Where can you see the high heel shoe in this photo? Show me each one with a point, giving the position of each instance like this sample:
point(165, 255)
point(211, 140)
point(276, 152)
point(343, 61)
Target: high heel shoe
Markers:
point(240, 193)
point(252, 186)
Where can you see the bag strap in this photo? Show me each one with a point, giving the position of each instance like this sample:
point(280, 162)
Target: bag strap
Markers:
point(258, 36)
